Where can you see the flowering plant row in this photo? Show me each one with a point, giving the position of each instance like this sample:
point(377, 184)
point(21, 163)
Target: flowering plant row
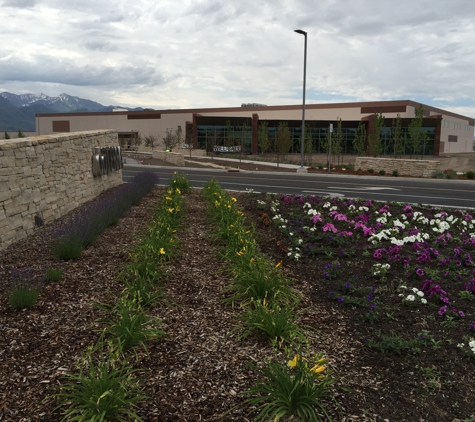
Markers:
point(105, 387)
point(269, 305)
point(375, 254)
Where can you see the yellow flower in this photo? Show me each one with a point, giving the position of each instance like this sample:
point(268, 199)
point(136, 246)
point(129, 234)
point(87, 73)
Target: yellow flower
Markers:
point(171, 209)
point(252, 259)
point(168, 198)
point(248, 232)
point(239, 253)
point(178, 191)
point(318, 368)
point(293, 363)
point(234, 199)
point(278, 264)
point(162, 251)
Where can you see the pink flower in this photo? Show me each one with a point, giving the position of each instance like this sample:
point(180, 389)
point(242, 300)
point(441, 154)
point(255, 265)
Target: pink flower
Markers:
point(329, 227)
point(316, 218)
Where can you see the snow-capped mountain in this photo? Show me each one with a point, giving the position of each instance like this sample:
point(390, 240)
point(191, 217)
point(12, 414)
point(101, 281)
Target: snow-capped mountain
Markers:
point(64, 103)
point(17, 112)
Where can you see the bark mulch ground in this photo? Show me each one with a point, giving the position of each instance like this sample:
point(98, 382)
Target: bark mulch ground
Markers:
point(198, 372)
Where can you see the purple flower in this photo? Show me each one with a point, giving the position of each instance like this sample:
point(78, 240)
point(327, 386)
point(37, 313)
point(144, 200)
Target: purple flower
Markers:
point(348, 285)
point(420, 272)
point(472, 326)
point(461, 314)
point(442, 310)
point(372, 307)
point(340, 299)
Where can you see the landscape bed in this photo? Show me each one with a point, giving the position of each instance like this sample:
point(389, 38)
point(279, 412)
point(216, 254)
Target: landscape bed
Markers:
point(401, 358)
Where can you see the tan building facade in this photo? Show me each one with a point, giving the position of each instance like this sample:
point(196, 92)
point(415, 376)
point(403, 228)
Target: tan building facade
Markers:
point(447, 132)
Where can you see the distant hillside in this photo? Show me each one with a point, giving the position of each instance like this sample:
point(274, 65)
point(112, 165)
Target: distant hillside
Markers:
point(17, 112)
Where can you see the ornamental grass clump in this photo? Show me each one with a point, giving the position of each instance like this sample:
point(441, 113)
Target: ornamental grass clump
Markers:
point(275, 322)
point(23, 288)
point(296, 390)
point(128, 324)
point(141, 278)
point(54, 274)
point(105, 389)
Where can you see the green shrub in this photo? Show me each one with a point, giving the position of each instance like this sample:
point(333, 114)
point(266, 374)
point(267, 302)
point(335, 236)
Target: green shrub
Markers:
point(54, 274)
point(438, 174)
point(395, 173)
point(24, 288)
point(370, 171)
point(129, 324)
point(102, 391)
point(470, 174)
point(278, 323)
point(382, 172)
point(450, 174)
point(294, 390)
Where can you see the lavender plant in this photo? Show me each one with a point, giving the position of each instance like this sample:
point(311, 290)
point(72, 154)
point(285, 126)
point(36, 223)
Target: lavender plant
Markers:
point(84, 226)
point(24, 288)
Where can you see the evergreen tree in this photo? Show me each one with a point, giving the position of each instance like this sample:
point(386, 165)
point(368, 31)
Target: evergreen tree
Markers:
point(283, 141)
point(21, 134)
point(243, 140)
point(263, 137)
point(308, 145)
point(229, 140)
point(374, 138)
point(416, 135)
point(7, 136)
point(337, 141)
point(397, 138)
point(360, 140)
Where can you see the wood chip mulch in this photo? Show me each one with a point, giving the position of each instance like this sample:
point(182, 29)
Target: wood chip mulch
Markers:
point(198, 372)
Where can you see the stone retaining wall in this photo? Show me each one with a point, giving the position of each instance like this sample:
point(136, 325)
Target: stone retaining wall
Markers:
point(170, 157)
point(44, 177)
point(417, 168)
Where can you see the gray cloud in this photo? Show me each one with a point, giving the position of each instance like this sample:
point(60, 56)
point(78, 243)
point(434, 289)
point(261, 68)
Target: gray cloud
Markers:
point(214, 53)
point(20, 3)
point(66, 72)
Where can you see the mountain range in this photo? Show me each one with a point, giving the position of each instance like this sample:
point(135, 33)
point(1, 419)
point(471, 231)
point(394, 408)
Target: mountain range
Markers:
point(17, 112)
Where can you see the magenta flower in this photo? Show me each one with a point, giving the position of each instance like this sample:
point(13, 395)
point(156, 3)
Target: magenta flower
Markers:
point(442, 310)
point(420, 272)
point(329, 227)
point(316, 218)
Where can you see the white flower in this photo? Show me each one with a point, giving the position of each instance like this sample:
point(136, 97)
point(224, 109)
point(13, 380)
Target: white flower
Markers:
point(424, 301)
point(415, 290)
point(460, 345)
point(420, 294)
point(410, 298)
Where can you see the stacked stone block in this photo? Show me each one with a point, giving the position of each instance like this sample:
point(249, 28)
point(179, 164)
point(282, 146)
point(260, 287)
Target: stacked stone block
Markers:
point(416, 168)
point(43, 178)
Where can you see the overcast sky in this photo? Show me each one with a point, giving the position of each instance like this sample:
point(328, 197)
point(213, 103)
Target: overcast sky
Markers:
point(209, 53)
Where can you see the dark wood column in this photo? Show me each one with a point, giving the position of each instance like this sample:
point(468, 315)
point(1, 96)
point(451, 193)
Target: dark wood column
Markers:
point(255, 133)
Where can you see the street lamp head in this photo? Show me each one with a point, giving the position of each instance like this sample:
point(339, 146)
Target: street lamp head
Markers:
point(299, 31)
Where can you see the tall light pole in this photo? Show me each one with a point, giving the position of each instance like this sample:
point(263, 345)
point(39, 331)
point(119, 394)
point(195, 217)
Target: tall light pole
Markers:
point(302, 146)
